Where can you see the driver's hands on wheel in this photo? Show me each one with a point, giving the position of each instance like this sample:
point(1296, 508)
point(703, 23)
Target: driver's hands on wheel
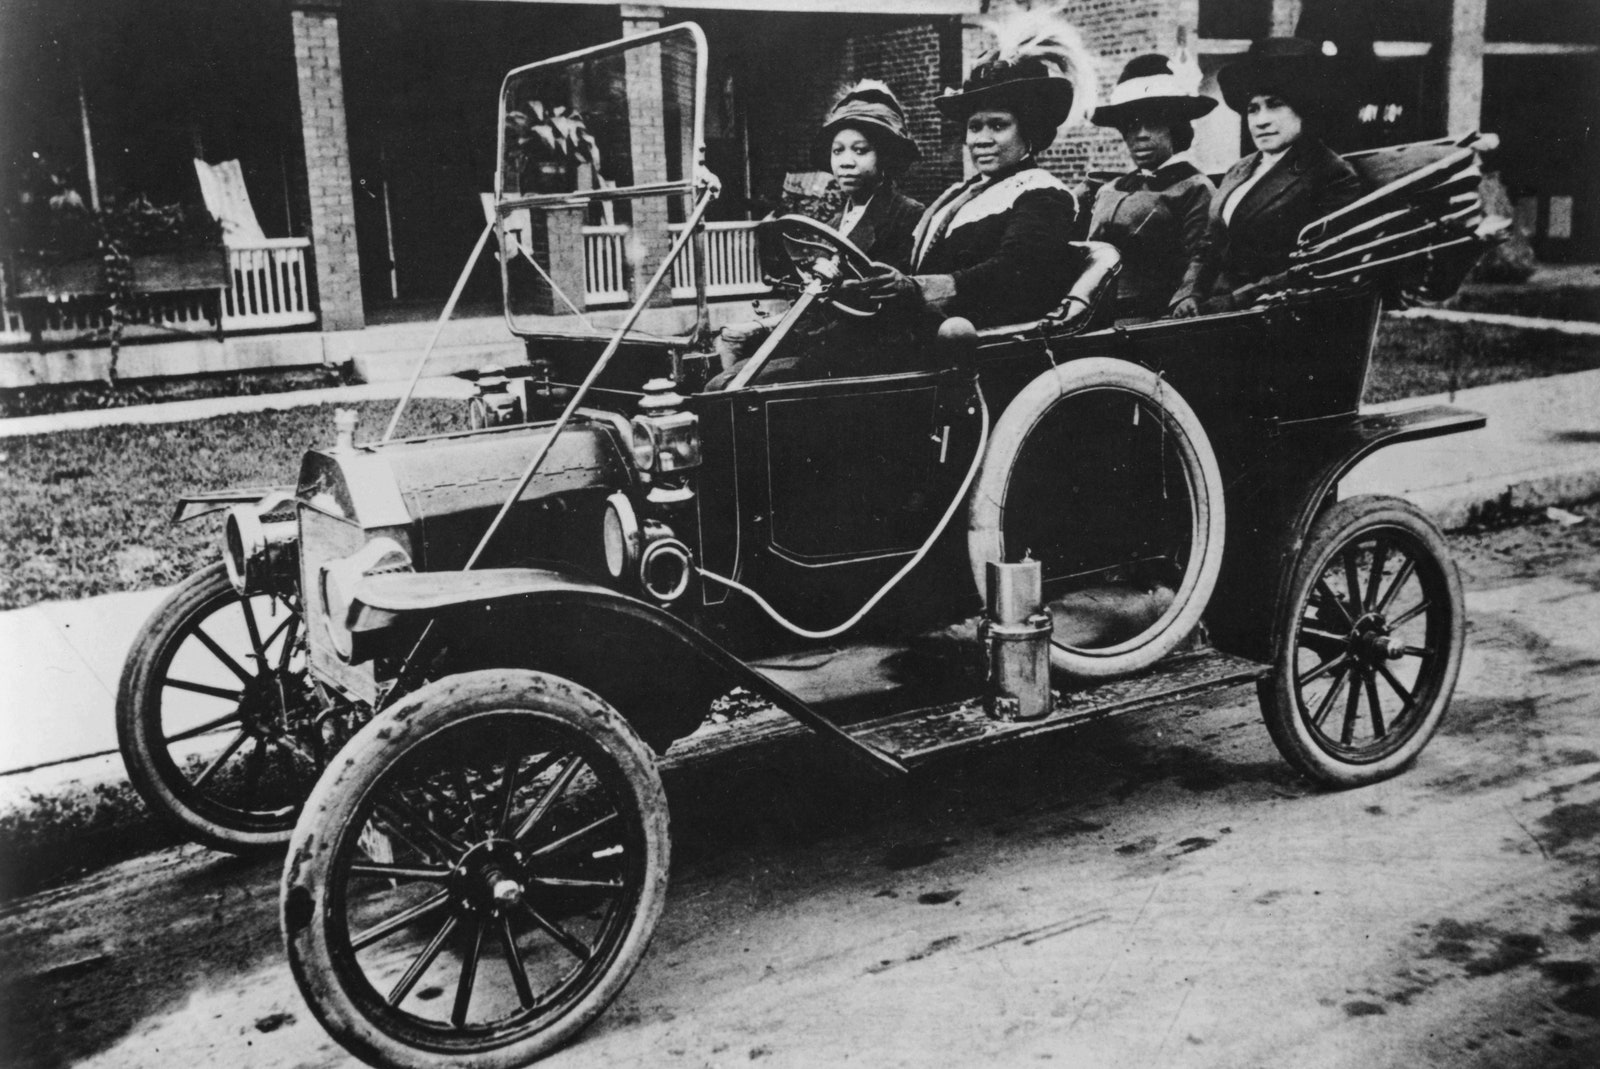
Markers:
point(883, 283)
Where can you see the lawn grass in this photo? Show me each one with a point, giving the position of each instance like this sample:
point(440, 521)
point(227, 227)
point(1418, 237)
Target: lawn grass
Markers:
point(89, 512)
point(1418, 357)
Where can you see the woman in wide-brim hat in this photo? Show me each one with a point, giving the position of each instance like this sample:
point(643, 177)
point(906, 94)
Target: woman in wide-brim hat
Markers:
point(996, 247)
point(864, 143)
point(1282, 87)
point(1157, 214)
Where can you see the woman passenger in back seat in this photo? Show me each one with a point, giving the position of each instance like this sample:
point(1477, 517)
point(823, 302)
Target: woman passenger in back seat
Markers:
point(1290, 180)
point(996, 247)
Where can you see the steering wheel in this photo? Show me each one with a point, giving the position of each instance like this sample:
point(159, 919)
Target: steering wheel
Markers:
point(816, 250)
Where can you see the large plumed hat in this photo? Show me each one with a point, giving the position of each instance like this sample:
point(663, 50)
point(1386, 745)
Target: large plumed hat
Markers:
point(1149, 84)
point(1302, 72)
point(870, 105)
point(1039, 69)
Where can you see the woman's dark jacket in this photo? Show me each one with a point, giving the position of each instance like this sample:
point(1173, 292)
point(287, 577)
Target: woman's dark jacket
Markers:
point(1308, 183)
point(1002, 252)
point(884, 230)
point(1158, 222)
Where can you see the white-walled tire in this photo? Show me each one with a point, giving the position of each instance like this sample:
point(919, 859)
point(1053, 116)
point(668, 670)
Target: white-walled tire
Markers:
point(503, 814)
point(1162, 497)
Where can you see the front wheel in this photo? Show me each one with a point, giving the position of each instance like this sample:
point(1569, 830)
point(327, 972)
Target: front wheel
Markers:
point(1368, 643)
point(478, 874)
point(218, 724)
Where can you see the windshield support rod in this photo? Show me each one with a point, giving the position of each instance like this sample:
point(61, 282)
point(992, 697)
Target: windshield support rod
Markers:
point(449, 310)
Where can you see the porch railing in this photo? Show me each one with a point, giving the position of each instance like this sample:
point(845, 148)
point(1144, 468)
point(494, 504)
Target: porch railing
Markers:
point(269, 288)
point(733, 266)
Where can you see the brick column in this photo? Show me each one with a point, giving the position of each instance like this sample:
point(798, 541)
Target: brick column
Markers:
point(337, 262)
point(1463, 105)
point(649, 241)
point(1285, 17)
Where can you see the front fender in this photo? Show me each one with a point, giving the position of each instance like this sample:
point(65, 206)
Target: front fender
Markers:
point(658, 670)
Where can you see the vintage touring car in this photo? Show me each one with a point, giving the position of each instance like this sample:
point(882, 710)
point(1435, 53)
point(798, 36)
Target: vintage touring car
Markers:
point(444, 668)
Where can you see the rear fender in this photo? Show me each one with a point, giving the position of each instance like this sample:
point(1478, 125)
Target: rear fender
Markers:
point(1295, 481)
point(657, 670)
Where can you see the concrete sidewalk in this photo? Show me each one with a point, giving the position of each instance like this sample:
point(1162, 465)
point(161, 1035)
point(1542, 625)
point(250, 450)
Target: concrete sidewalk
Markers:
point(59, 662)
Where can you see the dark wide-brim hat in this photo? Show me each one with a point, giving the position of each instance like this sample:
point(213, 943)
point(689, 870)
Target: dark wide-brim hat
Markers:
point(1150, 86)
point(1298, 70)
point(871, 107)
point(1026, 87)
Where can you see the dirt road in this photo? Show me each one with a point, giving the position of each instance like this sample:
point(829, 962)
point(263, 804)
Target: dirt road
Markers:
point(1157, 891)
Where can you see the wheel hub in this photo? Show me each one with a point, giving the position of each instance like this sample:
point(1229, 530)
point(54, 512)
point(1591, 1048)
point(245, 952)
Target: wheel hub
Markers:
point(1372, 642)
point(490, 877)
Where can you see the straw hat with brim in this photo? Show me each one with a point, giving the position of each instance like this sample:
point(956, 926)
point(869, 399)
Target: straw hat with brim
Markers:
point(1290, 67)
point(872, 108)
point(1026, 87)
point(1149, 86)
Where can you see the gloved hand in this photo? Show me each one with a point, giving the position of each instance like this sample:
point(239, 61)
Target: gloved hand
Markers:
point(883, 283)
point(1187, 308)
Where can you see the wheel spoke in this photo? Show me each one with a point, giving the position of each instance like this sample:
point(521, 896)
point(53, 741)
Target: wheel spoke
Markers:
point(1410, 614)
point(508, 794)
point(254, 764)
point(398, 816)
point(465, 789)
point(1352, 706)
point(1399, 688)
point(1333, 599)
point(1352, 576)
point(403, 986)
point(569, 882)
point(202, 729)
point(204, 688)
point(1335, 689)
point(1380, 556)
point(1424, 652)
point(469, 974)
point(222, 655)
point(384, 929)
point(519, 975)
point(1324, 668)
point(572, 837)
point(254, 630)
point(1400, 579)
point(221, 758)
point(562, 780)
point(569, 942)
point(1312, 638)
point(1378, 728)
point(387, 871)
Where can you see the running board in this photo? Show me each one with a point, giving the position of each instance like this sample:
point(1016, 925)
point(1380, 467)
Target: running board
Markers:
point(920, 736)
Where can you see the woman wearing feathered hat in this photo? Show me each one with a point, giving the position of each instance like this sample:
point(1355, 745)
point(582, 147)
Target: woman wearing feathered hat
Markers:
point(1156, 215)
point(865, 144)
point(995, 248)
point(1280, 87)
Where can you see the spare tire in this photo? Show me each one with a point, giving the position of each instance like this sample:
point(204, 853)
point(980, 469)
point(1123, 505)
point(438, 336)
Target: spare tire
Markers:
point(1103, 473)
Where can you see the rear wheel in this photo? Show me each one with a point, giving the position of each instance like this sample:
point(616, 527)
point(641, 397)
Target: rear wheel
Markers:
point(1101, 472)
point(217, 722)
point(478, 876)
point(1369, 643)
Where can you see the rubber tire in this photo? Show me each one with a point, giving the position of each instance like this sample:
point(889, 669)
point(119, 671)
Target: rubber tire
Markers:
point(986, 511)
point(1280, 707)
point(138, 716)
point(384, 741)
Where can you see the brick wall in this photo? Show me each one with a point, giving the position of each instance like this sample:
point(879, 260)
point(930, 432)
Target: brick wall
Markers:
point(336, 261)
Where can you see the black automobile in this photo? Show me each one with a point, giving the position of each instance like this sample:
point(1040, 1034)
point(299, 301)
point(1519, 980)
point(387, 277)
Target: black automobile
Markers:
point(445, 669)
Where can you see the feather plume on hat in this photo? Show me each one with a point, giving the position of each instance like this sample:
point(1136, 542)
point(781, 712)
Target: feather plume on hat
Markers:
point(1039, 65)
point(1044, 34)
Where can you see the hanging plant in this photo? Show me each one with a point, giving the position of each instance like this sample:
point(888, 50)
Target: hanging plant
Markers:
point(545, 143)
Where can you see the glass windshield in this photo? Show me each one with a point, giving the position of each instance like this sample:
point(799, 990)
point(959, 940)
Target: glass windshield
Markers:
point(598, 151)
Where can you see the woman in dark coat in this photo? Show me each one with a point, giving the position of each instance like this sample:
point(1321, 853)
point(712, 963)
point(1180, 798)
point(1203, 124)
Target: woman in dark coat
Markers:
point(1290, 180)
point(1157, 214)
point(865, 145)
point(995, 248)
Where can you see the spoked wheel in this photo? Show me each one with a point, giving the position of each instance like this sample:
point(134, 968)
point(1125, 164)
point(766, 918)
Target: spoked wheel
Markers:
point(1369, 643)
point(217, 721)
point(477, 877)
point(1103, 473)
